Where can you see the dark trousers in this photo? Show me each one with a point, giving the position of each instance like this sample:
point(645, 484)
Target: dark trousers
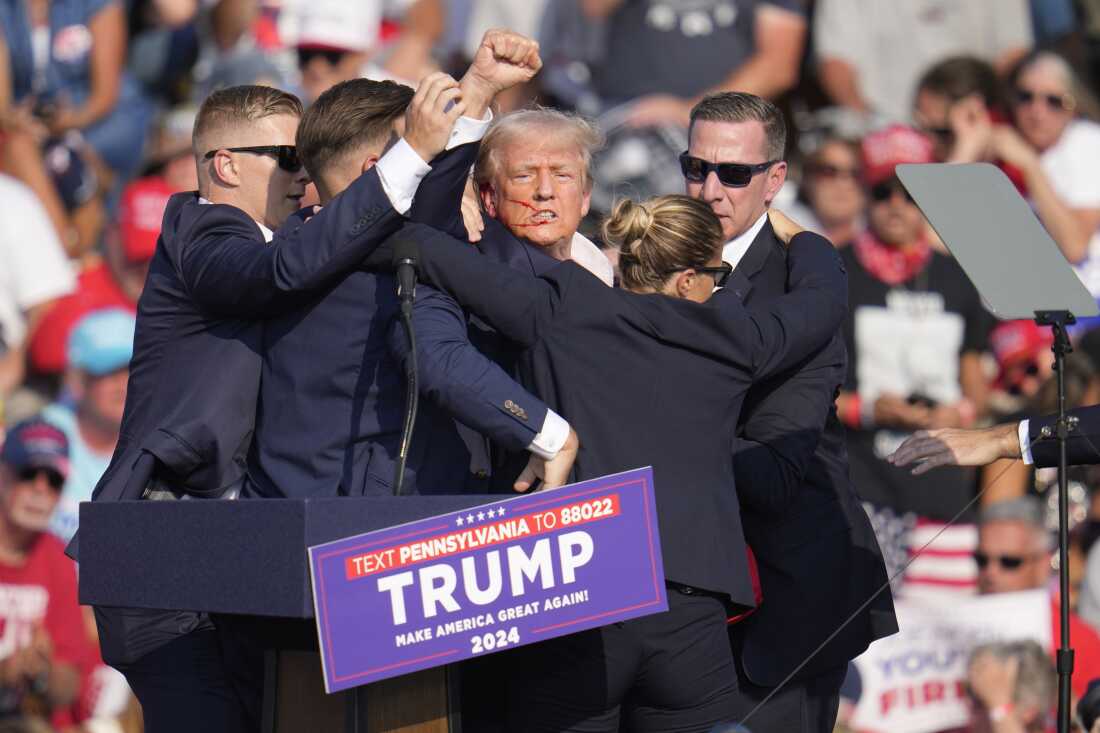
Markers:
point(802, 706)
point(200, 681)
point(671, 672)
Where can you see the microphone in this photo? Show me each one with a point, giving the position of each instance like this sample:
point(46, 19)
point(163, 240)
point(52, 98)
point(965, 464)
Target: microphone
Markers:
point(406, 253)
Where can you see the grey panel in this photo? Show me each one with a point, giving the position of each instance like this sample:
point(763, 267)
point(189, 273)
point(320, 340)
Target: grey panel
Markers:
point(995, 236)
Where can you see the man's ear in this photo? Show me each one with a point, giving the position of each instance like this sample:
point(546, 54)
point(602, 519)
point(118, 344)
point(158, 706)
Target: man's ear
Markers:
point(776, 176)
point(224, 170)
point(369, 162)
point(488, 199)
point(586, 202)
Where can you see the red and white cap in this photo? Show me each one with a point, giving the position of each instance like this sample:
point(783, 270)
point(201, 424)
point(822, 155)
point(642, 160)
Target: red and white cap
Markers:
point(885, 149)
point(140, 213)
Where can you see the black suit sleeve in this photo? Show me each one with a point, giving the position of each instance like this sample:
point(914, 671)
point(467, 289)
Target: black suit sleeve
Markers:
point(461, 380)
point(516, 304)
point(1082, 446)
point(228, 272)
point(782, 333)
point(438, 201)
point(778, 439)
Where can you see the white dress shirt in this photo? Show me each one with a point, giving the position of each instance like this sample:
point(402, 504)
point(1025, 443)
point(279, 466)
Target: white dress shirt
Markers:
point(401, 169)
point(1025, 442)
point(736, 248)
point(585, 253)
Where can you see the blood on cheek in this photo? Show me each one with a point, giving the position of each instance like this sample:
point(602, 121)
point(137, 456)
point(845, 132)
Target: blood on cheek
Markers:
point(532, 207)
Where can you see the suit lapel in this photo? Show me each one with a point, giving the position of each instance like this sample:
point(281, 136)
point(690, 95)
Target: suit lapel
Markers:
point(753, 262)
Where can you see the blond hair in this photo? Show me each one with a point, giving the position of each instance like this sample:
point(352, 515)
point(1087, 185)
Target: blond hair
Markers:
point(660, 236)
point(240, 105)
point(551, 123)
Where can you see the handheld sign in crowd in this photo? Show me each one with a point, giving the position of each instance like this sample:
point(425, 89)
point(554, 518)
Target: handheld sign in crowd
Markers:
point(495, 577)
point(915, 680)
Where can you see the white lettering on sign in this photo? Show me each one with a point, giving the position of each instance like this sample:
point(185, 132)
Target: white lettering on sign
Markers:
point(439, 583)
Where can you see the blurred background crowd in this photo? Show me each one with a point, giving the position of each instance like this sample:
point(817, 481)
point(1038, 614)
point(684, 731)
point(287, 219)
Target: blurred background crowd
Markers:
point(97, 101)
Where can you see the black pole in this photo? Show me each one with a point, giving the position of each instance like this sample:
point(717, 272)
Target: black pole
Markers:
point(411, 399)
point(1058, 320)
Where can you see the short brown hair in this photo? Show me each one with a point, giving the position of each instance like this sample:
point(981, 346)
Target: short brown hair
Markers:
point(241, 105)
point(960, 76)
point(745, 107)
point(516, 124)
point(347, 116)
point(660, 236)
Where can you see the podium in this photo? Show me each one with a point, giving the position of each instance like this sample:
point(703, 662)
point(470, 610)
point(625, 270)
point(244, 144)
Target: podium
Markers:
point(247, 560)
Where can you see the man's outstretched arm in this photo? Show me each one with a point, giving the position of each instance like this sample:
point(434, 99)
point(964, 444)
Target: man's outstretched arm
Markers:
point(955, 447)
point(1033, 440)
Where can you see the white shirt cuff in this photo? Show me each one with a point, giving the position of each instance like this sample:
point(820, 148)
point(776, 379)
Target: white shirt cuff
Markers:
point(401, 170)
point(554, 433)
point(469, 130)
point(1024, 431)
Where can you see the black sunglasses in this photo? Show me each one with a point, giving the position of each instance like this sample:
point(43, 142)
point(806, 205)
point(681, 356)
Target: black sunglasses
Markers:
point(1007, 562)
point(332, 56)
point(721, 273)
point(735, 175)
point(30, 474)
point(287, 155)
point(945, 135)
point(1060, 102)
point(885, 191)
point(832, 172)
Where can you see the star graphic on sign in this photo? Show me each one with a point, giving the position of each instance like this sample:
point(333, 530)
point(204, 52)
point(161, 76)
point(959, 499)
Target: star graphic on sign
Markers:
point(469, 519)
point(490, 514)
point(480, 516)
point(458, 522)
point(500, 511)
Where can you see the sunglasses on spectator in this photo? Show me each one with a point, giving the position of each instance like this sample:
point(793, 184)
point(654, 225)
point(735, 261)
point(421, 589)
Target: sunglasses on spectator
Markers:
point(832, 172)
point(30, 474)
point(1007, 562)
point(882, 192)
point(734, 175)
point(332, 56)
point(286, 155)
point(1018, 375)
point(1057, 102)
point(721, 273)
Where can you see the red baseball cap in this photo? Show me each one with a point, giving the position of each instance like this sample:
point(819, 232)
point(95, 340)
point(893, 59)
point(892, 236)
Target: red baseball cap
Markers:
point(1019, 342)
point(886, 149)
point(139, 217)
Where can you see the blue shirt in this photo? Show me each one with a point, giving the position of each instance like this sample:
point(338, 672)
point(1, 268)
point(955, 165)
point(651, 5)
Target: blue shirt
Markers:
point(85, 468)
point(69, 67)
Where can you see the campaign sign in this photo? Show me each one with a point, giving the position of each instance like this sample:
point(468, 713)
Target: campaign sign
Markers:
point(494, 577)
point(915, 680)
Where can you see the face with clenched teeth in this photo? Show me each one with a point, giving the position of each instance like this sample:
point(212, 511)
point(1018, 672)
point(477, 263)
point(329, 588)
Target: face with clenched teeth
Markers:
point(540, 191)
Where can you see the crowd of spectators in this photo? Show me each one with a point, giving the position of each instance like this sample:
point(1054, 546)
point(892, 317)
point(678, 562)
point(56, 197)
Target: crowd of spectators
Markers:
point(97, 100)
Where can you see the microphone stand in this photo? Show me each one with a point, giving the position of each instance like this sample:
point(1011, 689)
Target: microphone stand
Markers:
point(407, 295)
point(1058, 320)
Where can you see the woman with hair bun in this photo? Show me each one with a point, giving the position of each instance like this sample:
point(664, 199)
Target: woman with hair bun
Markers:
point(650, 374)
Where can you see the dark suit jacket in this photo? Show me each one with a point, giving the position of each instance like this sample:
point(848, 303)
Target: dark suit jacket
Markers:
point(1081, 445)
point(652, 380)
point(497, 243)
point(332, 396)
point(195, 372)
point(815, 549)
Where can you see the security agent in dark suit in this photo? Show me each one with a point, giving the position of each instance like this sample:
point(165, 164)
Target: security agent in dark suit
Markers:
point(649, 379)
point(333, 391)
point(817, 555)
point(195, 372)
